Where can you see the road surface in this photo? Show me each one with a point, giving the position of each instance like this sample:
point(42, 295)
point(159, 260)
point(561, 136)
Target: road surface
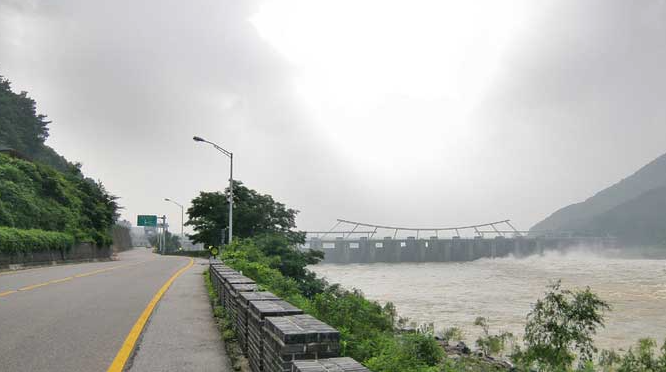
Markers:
point(77, 317)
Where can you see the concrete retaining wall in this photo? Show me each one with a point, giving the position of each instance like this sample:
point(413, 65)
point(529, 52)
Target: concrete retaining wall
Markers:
point(79, 252)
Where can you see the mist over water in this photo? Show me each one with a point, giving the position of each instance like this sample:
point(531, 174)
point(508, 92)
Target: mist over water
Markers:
point(453, 294)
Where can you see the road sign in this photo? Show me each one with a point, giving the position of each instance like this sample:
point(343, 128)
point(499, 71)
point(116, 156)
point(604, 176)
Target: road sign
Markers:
point(146, 220)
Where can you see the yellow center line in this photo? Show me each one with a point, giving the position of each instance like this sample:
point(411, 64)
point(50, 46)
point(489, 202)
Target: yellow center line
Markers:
point(125, 351)
point(6, 293)
point(55, 281)
point(97, 271)
point(45, 283)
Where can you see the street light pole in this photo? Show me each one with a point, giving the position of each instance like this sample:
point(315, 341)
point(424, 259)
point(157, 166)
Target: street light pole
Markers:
point(231, 196)
point(161, 238)
point(182, 219)
point(231, 182)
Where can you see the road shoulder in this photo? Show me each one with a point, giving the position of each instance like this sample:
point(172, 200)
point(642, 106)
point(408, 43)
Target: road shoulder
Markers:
point(181, 334)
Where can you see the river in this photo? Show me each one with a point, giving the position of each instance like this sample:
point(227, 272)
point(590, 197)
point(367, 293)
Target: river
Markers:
point(453, 294)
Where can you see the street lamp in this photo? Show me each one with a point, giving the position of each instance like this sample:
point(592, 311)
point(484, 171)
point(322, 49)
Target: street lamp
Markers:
point(182, 218)
point(231, 182)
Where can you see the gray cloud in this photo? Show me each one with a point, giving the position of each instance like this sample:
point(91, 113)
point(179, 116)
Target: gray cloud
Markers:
point(576, 106)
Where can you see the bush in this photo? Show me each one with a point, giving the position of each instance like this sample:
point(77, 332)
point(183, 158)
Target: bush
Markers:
point(36, 196)
point(641, 359)
point(560, 328)
point(413, 352)
point(15, 241)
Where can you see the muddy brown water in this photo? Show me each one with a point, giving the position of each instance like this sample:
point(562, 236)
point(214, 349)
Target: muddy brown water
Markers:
point(502, 290)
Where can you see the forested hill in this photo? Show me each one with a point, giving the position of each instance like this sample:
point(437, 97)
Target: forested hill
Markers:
point(23, 130)
point(632, 209)
point(39, 189)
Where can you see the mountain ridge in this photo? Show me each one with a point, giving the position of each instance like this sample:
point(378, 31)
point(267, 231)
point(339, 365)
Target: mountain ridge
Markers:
point(587, 216)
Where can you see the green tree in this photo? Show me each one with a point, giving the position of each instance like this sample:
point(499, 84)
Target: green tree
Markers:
point(640, 359)
point(560, 328)
point(36, 196)
point(254, 214)
point(488, 343)
point(172, 242)
point(25, 131)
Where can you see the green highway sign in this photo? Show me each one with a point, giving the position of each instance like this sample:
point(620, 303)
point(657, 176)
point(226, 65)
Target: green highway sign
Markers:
point(145, 220)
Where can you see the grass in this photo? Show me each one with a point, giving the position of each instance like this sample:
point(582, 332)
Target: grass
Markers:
point(225, 326)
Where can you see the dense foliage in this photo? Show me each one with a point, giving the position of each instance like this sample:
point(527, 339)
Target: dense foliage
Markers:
point(14, 241)
point(254, 214)
point(641, 359)
point(25, 131)
point(36, 196)
point(560, 328)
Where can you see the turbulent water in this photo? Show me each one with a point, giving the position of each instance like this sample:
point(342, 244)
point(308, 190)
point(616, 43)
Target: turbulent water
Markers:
point(502, 290)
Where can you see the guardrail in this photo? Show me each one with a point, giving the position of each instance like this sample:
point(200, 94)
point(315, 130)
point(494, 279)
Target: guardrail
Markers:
point(274, 335)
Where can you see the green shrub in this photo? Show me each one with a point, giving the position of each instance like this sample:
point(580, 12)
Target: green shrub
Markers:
point(36, 196)
point(640, 359)
point(15, 241)
point(414, 352)
point(560, 329)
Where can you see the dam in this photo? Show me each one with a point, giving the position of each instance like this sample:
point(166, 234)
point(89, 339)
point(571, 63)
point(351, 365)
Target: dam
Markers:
point(350, 246)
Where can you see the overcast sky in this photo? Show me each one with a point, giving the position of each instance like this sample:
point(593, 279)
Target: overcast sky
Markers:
point(402, 112)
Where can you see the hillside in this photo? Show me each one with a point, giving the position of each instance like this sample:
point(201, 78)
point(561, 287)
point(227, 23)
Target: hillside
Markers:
point(634, 201)
point(44, 191)
point(640, 221)
point(36, 196)
point(23, 130)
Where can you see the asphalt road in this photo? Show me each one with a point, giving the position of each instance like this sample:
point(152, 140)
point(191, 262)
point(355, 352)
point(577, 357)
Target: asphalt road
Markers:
point(76, 317)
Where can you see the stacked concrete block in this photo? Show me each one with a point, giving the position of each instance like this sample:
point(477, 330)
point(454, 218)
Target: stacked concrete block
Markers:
point(258, 311)
point(274, 334)
point(229, 279)
point(233, 306)
point(291, 338)
point(243, 305)
point(218, 273)
point(328, 365)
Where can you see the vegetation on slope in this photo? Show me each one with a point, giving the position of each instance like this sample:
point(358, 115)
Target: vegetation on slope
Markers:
point(25, 131)
point(602, 214)
point(13, 240)
point(36, 196)
point(640, 221)
point(45, 192)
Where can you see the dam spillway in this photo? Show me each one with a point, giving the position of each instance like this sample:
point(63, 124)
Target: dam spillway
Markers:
point(366, 250)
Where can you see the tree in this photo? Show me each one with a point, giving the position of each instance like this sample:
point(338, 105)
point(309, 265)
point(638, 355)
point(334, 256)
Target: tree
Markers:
point(491, 344)
point(560, 327)
point(36, 196)
point(254, 214)
point(25, 131)
point(171, 241)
